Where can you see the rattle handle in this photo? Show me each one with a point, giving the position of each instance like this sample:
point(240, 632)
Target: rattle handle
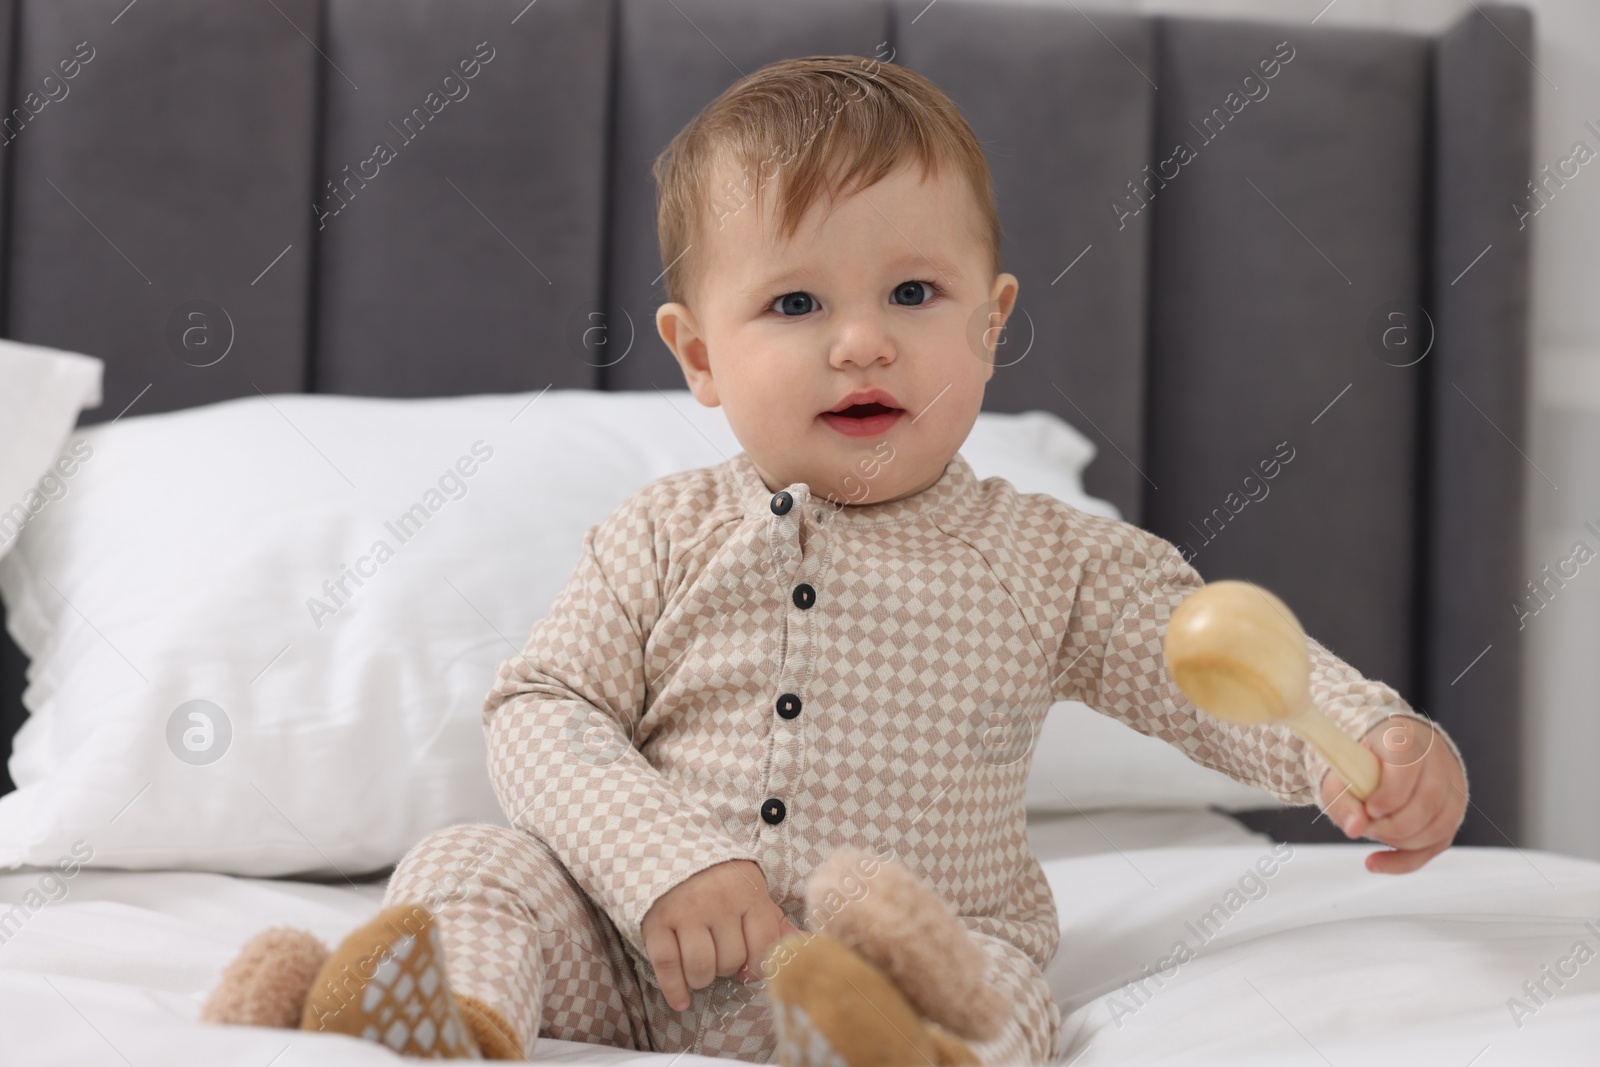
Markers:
point(1353, 761)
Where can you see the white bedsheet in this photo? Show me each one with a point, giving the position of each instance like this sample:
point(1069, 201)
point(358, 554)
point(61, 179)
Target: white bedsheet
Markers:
point(1332, 965)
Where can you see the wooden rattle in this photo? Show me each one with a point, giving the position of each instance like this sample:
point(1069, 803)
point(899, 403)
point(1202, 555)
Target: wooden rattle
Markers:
point(1238, 653)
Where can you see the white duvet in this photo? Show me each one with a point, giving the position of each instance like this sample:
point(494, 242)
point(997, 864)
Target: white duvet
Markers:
point(1318, 962)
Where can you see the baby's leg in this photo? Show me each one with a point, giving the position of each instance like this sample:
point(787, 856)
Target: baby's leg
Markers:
point(1031, 1035)
point(521, 938)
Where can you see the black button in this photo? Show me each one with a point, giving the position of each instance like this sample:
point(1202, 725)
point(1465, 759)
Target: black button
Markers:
point(788, 705)
point(804, 596)
point(772, 811)
point(781, 503)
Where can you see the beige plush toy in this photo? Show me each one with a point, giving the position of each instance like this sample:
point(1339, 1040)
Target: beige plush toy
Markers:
point(889, 977)
point(385, 983)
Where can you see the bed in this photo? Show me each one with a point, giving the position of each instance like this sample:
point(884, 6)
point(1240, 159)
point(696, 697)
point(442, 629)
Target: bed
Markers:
point(1327, 964)
point(1334, 270)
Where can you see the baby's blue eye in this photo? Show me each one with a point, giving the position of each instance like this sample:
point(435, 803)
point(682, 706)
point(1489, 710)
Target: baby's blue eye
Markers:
point(800, 302)
point(910, 288)
point(794, 303)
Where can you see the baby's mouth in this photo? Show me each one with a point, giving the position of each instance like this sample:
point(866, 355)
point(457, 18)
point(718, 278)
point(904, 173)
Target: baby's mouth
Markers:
point(863, 420)
point(863, 411)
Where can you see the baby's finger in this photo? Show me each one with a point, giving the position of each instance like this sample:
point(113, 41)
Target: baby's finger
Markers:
point(728, 933)
point(1401, 745)
point(1402, 861)
point(760, 931)
point(699, 955)
point(1341, 805)
point(1404, 827)
point(1440, 829)
point(662, 947)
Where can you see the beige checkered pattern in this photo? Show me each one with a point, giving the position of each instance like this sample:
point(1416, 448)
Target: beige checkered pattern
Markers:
point(518, 933)
point(636, 736)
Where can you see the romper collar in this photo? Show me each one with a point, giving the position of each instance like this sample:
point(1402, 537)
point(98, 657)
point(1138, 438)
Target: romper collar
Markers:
point(952, 489)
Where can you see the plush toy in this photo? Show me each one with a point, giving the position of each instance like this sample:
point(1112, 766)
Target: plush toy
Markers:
point(889, 978)
point(385, 983)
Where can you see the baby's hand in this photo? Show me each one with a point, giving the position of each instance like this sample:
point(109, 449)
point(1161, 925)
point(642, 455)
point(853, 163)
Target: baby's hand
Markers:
point(1419, 803)
point(719, 921)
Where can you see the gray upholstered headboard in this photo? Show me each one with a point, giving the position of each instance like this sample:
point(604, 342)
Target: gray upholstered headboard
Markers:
point(1195, 311)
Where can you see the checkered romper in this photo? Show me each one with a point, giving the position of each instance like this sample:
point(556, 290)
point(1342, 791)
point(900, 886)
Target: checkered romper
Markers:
point(732, 673)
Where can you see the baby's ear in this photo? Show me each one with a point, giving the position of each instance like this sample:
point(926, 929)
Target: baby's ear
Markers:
point(677, 326)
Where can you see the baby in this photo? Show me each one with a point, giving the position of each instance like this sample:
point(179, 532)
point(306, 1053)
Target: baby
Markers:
point(838, 637)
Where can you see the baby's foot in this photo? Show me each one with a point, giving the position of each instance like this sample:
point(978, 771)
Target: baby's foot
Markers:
point(386, 983)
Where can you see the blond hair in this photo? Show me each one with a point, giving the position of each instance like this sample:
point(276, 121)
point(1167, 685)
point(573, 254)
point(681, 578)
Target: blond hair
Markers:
point(818, 125)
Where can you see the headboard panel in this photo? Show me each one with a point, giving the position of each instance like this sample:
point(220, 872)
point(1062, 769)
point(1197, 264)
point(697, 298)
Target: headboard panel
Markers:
point(1475, 472)
point(174, 168)
point(454, 269)
point(1294, 220)
point(1231, 312)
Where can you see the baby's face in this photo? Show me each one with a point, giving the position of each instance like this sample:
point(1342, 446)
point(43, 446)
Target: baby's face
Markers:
point(887, 293)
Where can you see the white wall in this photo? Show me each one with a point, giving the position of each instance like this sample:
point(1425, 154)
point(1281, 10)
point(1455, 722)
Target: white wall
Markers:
point(1563, 641)
point(1562, 651)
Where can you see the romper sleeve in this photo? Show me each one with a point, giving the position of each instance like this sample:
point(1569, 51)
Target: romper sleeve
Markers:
point(1120, 585)
point(560, 721)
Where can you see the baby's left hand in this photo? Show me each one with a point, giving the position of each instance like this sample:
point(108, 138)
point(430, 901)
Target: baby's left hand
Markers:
point(1419, 803)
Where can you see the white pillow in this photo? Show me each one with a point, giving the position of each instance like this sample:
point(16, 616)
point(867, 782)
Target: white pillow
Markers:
point(205, 695)
point(1083, 760)
point(41, 392)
